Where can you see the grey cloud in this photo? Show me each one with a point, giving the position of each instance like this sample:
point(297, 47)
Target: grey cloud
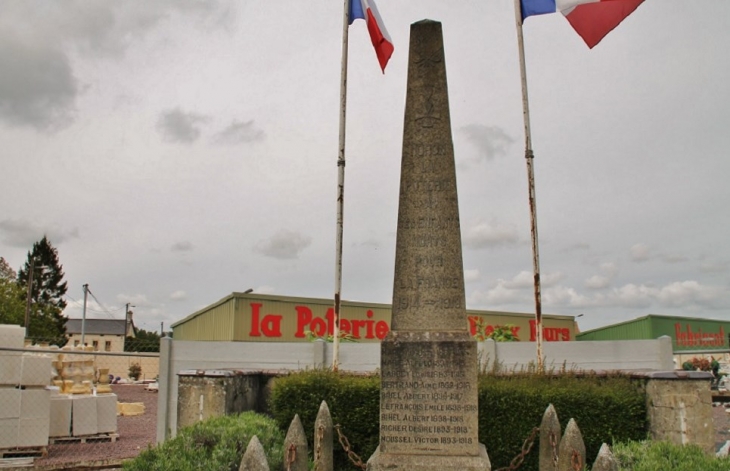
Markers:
point(178, 126)
point(491, 234)
point(239, 133)
point(490, 141)
point(182, 246)
point(23, 234)
point(37, 86)
point(283, 245)
point(640, 253)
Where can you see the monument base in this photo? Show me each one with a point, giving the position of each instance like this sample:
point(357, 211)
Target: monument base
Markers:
point(400, 462)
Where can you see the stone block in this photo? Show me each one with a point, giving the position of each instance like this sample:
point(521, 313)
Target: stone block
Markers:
point(8, 433)
point(83, 416)
point(12, 336)
point(35, 370)
point(35, 404)
point(425, 462)
point(9, 403)
point(10, 363)
point(33, 432)
point(129, 409)
point(60, 416)
point(106, 413)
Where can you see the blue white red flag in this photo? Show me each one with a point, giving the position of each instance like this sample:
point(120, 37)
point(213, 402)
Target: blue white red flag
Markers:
point(366, 10)
point(591, 19)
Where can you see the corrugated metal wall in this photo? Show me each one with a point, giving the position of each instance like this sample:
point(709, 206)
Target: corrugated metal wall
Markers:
point(631, 330)
point(215, 322)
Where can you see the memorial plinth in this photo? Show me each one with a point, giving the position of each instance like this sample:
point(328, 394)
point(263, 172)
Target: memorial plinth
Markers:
point(428, 401)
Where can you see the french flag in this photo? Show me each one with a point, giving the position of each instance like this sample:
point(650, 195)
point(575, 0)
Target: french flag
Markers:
point(366, 10)
point(591, 19)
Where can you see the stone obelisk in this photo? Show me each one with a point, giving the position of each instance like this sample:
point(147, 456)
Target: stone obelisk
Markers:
point(428, 400)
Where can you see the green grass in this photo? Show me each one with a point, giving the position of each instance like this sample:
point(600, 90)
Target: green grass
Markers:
point(664, 456)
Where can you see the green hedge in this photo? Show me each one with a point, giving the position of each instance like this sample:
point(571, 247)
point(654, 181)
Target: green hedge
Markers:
point(353, 401)
point(607, 409)
point(216, 444)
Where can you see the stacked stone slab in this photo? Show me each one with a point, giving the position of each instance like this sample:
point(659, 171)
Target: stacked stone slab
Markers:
point(31, 410)
point(24, 399)
point(428, 402)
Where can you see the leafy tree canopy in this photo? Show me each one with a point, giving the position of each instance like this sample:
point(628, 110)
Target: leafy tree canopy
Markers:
point(143, 341)
point(12, 308)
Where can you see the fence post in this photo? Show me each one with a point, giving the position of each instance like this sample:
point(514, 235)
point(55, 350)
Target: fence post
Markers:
point(323, 459)
point(549, 440)
point(295, 447)
point(572, 454)
point(164, 390)
point(605, 461)
point(320, 353)
point(254, 459)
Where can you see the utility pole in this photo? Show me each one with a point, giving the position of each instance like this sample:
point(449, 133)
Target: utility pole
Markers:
point(29, 299)
point(83, 317)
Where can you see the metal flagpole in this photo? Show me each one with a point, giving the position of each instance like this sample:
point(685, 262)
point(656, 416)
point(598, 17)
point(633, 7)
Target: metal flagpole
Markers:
point(529, 157)
point(340, 188)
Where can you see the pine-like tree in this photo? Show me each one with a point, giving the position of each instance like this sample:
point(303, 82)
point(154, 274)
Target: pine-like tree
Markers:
point(47, 321)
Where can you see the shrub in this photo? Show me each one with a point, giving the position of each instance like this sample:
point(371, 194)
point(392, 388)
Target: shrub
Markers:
point(651, 456)
point(606, 408)
point(135, 371)
point(216, 444)
point(353, 401)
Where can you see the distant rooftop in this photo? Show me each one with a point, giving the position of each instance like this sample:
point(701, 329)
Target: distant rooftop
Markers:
point(97, 326)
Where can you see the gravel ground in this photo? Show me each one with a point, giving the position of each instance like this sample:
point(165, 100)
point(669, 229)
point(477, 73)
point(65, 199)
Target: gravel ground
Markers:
point(135, 434)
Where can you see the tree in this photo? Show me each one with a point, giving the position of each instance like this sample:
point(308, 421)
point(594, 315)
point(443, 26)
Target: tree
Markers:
point(46, 293)
point(6, 271)
point(143, 341)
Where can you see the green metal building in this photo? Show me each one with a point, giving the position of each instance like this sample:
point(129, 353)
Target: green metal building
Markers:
point(688, 334)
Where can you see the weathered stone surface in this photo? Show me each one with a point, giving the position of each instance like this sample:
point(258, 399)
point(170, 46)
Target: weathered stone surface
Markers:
point(254, 459)
point(428, 290)
point(428, 399)
point(323, 460)
point(605, 461)
point(572, 451)
point(428, 402)
point(295, 446)
point(549, 440)
point(680, 411)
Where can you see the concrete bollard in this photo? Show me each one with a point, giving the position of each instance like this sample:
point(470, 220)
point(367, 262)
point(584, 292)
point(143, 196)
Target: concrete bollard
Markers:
point(295, 447)
point(572, 451)
point(254, 459)
point(605, 461)
point(323, 460)
point(549, 440)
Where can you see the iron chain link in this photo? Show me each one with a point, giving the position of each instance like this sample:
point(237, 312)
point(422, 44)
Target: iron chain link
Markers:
point(526, 447)
point(356, 460)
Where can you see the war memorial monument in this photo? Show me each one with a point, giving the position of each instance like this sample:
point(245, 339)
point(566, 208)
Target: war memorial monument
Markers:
point(428, 401)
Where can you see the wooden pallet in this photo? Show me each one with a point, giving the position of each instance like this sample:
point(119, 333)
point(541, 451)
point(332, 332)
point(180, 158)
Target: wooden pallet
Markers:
point(102, 437)
point(24, 452)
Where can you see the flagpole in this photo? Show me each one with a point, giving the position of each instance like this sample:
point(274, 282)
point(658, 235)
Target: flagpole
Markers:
point(340, 188)
point(529, 157)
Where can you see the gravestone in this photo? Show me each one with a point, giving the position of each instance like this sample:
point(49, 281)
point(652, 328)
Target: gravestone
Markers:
point(428, 401)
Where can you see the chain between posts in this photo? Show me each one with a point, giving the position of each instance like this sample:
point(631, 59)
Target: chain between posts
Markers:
point(526, 447)
point(318, 451)
point(554, 446)
point(356, 460)
point(291, 456)
point(576, 461)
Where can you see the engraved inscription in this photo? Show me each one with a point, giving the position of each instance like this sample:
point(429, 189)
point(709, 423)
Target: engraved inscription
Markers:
point(428, 116)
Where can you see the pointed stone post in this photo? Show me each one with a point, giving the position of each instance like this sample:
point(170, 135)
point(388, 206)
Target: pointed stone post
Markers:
point(572, 452)
point(605, 461)
point(549, 440)
point(428, 395)
point(254, 459)
point(295, 447)
point(323, 442)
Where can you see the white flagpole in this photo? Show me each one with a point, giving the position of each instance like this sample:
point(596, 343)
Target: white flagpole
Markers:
point(340, 187)
point(529, 157)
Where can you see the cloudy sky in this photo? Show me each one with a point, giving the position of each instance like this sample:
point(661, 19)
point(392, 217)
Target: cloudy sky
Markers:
point(175, 151)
